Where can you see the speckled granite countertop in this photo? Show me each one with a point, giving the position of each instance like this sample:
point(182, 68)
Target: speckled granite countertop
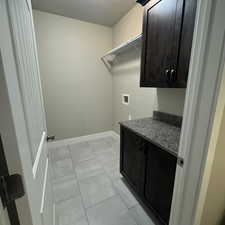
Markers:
point(160, 133)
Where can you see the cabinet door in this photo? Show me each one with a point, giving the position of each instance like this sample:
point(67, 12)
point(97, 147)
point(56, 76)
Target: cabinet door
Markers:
point(186, 42)
point(132, 162)
point(160, 176)
point(161, 36)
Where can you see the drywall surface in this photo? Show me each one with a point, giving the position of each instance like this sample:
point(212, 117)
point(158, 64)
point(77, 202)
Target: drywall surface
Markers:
point(126, 78)
point(81, 96)
point(77, 87)
point(171, 100)
point(129, 26)
point(126, 75)
point(214, 208)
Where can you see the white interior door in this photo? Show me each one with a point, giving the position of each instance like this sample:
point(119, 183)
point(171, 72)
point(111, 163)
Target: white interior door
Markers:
point(20, 62)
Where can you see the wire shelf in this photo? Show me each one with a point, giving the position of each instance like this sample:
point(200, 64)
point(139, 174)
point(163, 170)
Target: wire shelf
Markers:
point(132, 44)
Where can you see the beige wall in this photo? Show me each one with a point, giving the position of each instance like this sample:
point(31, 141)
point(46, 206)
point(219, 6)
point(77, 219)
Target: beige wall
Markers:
point(126, 76)
point(214, 208)
point(211, 205)
point(77, 87)
point(129, 26)
point(81, 96)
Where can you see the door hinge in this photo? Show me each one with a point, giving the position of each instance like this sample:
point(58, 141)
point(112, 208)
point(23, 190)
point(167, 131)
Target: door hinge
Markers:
point(180, 161)
point(11, 188)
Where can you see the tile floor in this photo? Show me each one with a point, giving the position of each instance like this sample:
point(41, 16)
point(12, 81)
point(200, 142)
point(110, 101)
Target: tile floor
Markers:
point(87, 186)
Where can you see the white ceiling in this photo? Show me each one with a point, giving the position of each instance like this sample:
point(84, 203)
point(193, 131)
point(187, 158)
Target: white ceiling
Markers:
point(105, 12)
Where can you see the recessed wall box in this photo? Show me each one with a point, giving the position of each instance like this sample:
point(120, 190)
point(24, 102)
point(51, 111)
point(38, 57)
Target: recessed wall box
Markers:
point(125, 99)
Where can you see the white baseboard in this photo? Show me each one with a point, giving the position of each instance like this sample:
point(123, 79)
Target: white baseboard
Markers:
point(69, 141)
point(115, 135)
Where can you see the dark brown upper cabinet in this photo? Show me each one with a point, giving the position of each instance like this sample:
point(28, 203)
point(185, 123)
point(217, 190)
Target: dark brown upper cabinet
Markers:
point(167, 40)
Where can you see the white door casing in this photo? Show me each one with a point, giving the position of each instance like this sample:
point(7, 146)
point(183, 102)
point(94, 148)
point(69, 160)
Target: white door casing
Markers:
point(20, 62)
point(207, 63)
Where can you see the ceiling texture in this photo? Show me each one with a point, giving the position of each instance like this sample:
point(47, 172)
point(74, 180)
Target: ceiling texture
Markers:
point(104, 12)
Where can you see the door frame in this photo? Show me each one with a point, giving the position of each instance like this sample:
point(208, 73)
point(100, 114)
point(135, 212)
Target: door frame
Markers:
point(199, 111)
point(11, 208)
point(15, 97)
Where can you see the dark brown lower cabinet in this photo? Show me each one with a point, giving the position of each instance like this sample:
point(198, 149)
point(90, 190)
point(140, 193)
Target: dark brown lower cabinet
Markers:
point(133, 152)
point(150, 171)
point(159, 180)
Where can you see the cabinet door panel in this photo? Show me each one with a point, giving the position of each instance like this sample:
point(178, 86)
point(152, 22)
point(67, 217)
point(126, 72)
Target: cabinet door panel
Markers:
point(132, 159)
point(161, 31)
point(186, 42)
point(160, 176)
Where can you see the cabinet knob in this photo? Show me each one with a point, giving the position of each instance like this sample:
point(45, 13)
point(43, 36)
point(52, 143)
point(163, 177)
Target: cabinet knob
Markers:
point(173, 75)
point(167, 74)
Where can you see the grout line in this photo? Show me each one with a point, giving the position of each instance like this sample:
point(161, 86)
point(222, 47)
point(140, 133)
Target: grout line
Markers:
point(102, 201)
point(71, 197)
point(78, 184)
point(104, 172)
point(94, 158)
point(74, 174)
point(118, 193)
point(111, 183)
